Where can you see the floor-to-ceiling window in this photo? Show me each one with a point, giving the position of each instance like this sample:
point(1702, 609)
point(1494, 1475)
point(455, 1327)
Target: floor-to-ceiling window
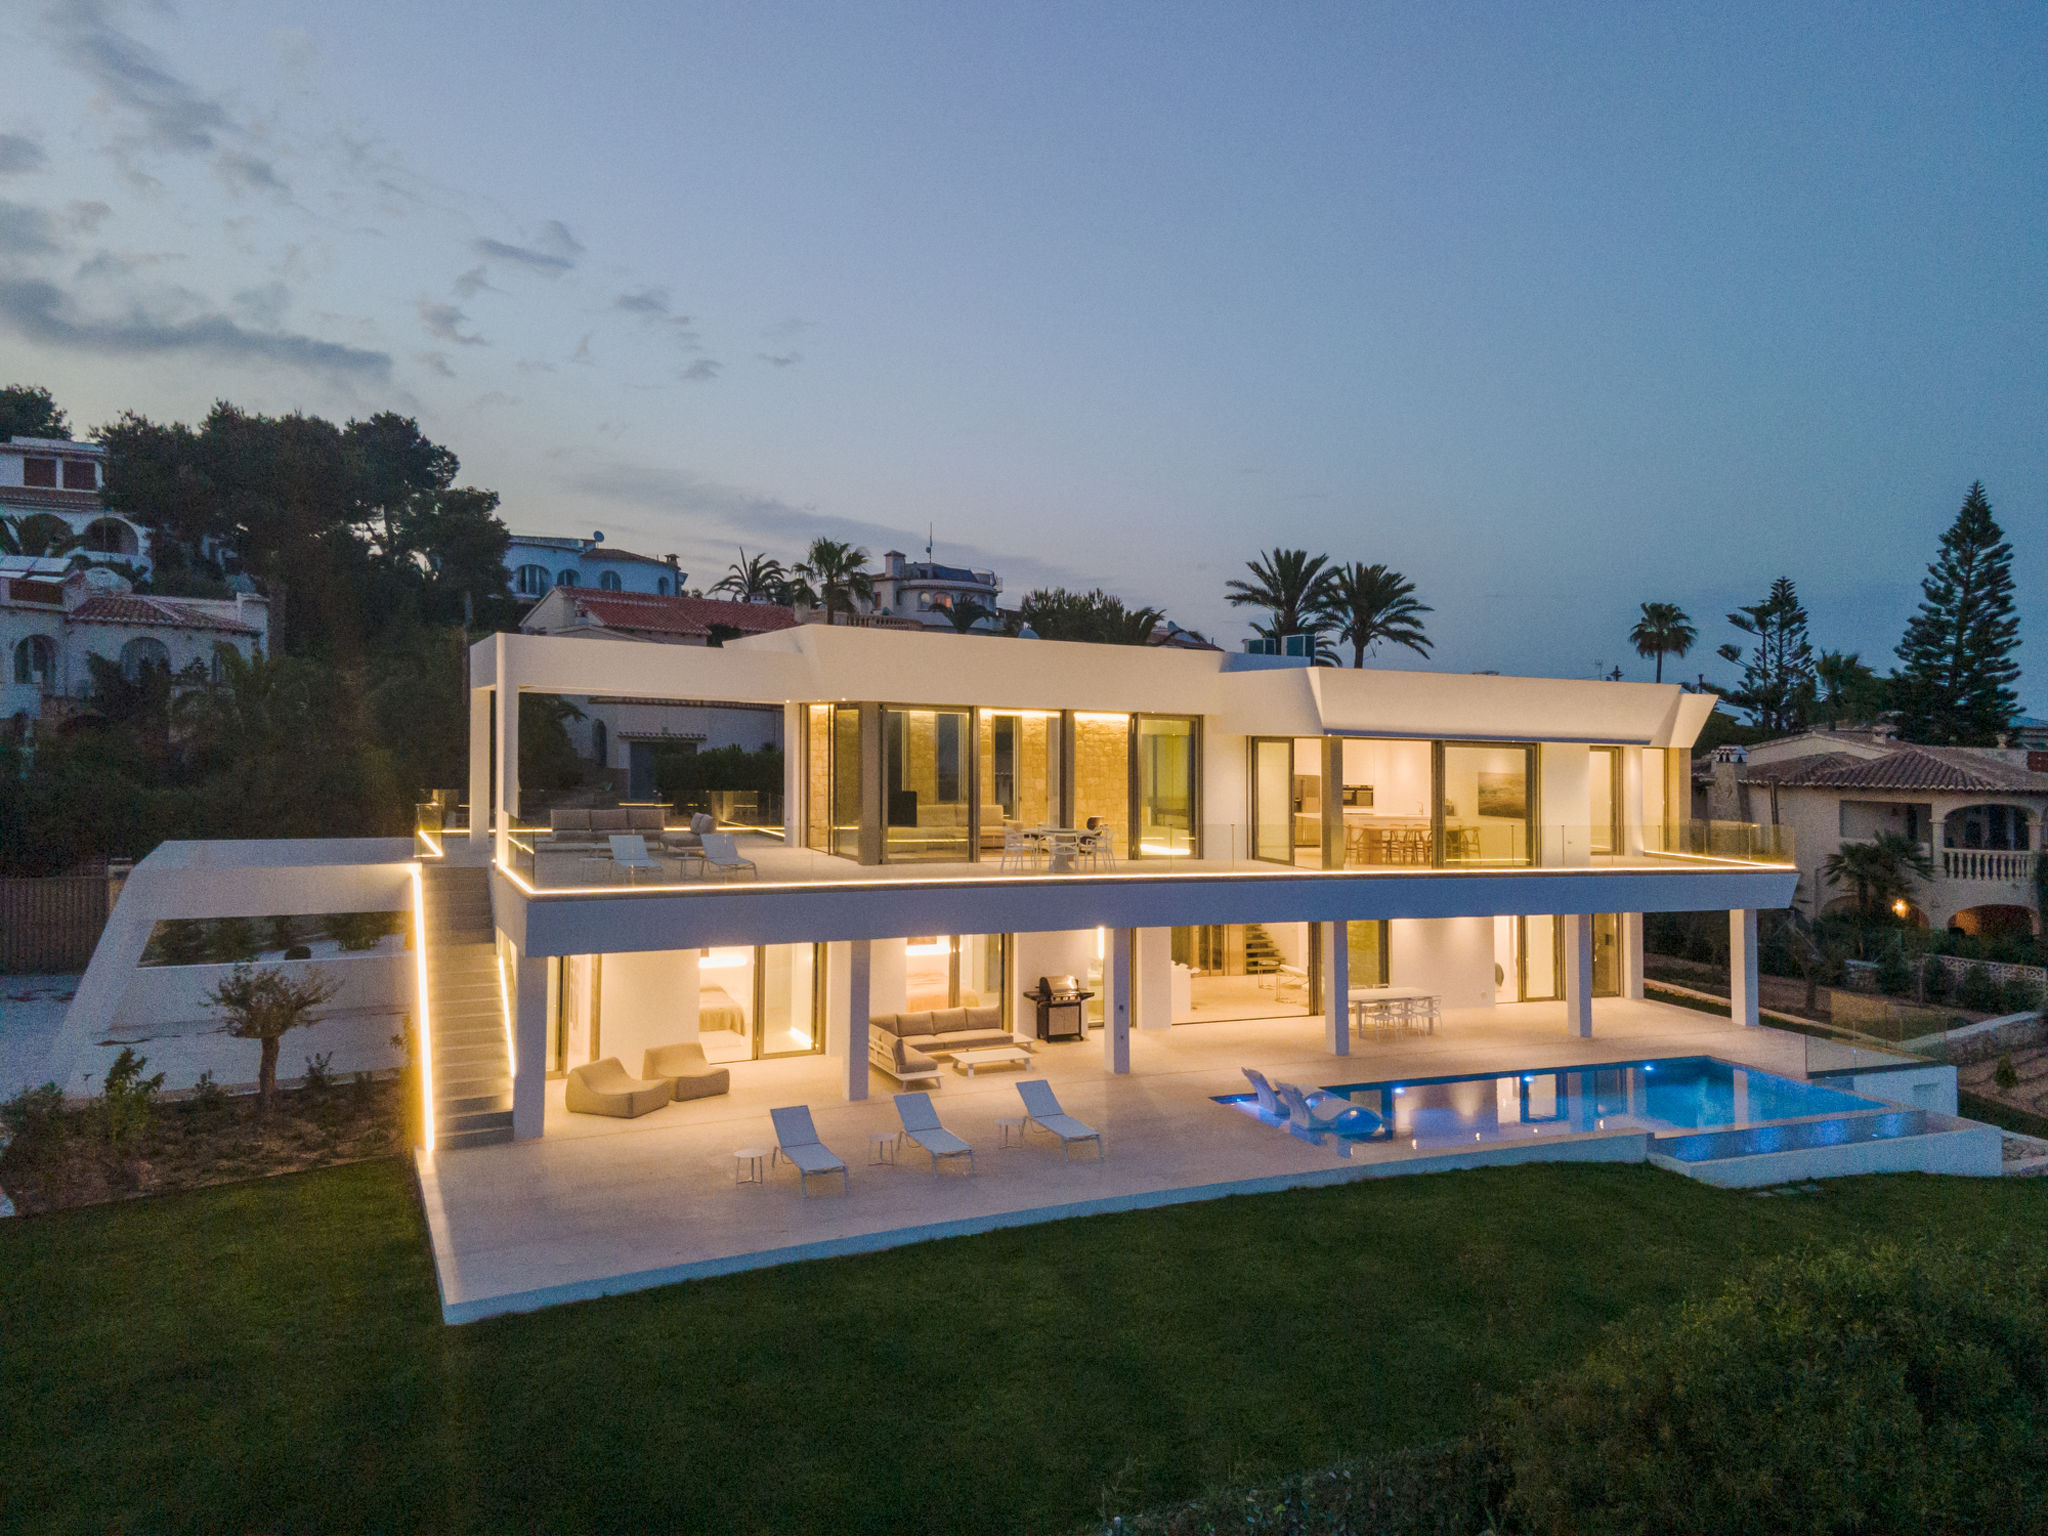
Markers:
point(1167, 809)
point(1370, 962)
point(928, 784)
point(1020, 767)
point(1603, 799)
point(1667, 796)
point(818, 777)
point(1243, 971)
point(953, 971)
point(756, 1001)
point(1272, 799)
point(1102, 773)
point(1487, 800)
point(1386, 802)
point(846, 781)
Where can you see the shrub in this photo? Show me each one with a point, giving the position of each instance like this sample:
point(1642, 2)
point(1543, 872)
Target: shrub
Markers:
point(208, 1097)
point(35, 1118)
point(2019, 995)
point(1934, 978)
point(1894, 973)
point(1978, 993)
point(1890, 1390)
point(127, 1097)
point(2006, 1075)
point(318, 1077)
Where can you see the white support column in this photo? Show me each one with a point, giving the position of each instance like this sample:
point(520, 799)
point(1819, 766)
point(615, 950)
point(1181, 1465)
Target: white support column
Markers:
point(508, 754)
point(1742, 999)
point(858, 956)
point(480, 765)
point(1116, 1007)
point(1632, 955)
point(527, 986)
point(1575, 931)
point(1337, 988)
point(795, 760)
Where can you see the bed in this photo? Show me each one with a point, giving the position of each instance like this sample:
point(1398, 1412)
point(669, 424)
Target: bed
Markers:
point(717, 1010)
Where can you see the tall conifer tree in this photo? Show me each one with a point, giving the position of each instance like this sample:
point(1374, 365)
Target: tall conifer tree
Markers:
point(1777, 686)
point(1956, 685)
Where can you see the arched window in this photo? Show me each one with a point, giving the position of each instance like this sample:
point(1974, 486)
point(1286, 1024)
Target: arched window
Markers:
point(661, 585)
point(600, 743)
point(610, 581)
point(565, 578)
point(141, 652)
point(109, 536)
point(35, 663)
point(532, 580)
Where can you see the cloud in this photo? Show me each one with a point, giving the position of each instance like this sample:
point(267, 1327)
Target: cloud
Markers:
point(788, 359)
point(26, 231)
point(118, 264)
point(469, 284)
point(437, 362)
point(248, 173)
point(534, 365)
point(19, 154)
point(582, 353)
point(701, 371)
point(651, 302)
point(446, 322)
point(85, 217)
point(173, 114)
point(42, 313)
point(552, 252)
point(264, 307)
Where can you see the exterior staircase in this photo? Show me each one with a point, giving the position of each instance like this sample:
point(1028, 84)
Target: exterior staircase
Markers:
point(1262, 956)
point(465, 1010)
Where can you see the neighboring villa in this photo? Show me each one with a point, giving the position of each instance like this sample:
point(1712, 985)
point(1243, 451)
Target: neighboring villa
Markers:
point(63, 479)
point(626, 734)
point(51, 622)
point(1976, 812)
point(539, 563)
point(926, 591)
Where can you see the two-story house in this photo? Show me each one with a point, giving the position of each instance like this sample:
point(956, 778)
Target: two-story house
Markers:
point(539, 563)
point(56, 477)
point(926, 591)
point(1975, 812)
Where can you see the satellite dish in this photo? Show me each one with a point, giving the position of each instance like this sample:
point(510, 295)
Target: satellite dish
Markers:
point(597, 536)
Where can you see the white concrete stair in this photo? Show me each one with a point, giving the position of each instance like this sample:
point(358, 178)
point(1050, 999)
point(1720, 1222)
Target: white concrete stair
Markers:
point(465, 1009)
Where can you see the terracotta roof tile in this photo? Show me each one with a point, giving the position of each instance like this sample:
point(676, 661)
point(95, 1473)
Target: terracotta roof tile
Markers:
point(683, 617)
point(1904, 766)
point(128, 608)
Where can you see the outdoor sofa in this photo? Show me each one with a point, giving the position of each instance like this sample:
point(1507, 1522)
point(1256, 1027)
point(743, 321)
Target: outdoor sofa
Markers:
point(905, 1045)
point(684, 1063)
point(603, 1088)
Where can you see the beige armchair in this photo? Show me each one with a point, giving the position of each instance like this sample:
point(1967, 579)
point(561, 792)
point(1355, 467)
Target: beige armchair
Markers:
point(603, 1088)
point(694, 1077)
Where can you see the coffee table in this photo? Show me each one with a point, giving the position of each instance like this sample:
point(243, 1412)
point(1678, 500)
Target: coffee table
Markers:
point(992, 1056)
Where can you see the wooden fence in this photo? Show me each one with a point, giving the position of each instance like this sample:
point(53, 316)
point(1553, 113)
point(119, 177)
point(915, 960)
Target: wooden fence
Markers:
point(51, 925)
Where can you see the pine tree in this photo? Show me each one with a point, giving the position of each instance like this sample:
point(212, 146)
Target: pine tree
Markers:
point(1956, 685)
point(1777, 685)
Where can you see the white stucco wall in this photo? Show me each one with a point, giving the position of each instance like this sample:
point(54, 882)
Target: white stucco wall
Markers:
point(1450, 956)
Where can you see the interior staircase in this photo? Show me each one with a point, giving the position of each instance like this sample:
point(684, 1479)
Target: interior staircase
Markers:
point(465, 1010)
point(1262, 956)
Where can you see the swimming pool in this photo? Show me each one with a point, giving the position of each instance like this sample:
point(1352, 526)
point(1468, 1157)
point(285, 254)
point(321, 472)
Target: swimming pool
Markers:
point(1664, 1097)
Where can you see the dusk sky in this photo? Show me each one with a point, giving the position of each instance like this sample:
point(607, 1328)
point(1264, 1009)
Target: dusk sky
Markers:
point(1555, 310)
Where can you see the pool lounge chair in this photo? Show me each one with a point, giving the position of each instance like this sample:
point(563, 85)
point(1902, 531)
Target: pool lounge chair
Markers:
point(722, 854)
point(1042, 1109)
point(921, 1125)
point(797, 1139)
point(629, 852)
point(1327, 1112)
point(1269, 1101)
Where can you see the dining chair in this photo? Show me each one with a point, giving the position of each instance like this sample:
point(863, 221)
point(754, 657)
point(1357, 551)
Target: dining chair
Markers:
point(1018, 849)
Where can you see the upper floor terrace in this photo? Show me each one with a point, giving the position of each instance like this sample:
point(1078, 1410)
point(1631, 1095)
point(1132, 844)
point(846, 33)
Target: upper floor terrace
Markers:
point(955, 761)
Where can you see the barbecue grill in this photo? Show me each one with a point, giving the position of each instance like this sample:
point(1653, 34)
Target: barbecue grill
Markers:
point(1059, 1000)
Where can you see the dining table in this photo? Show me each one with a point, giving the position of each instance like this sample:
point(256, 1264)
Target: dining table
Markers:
point(1368, 1002)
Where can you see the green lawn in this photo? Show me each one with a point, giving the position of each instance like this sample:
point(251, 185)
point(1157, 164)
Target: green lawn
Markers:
point(270, 1356)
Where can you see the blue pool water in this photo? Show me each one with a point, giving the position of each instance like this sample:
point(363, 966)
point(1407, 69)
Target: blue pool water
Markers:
point(1683, 1093)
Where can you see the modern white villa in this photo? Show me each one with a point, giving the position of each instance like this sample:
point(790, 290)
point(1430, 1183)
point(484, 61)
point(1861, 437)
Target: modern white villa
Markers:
point(1145, 924)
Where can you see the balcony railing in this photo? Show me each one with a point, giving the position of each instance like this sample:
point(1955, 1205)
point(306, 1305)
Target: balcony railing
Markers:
point(2010, 867)
point(580, 861)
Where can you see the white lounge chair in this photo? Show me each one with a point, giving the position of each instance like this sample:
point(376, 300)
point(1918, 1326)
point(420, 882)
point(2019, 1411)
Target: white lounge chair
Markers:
point(1042, 1109)
point(797, 1139)
point(629, 852)
point(1327, 1112)
point(921, 1125)
point(723, 854)
point(1269, 1102)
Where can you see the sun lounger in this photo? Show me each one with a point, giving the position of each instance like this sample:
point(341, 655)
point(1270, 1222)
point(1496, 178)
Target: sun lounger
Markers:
point(921, 1125)
point(797, 1139)
point(1269, 1102)
point(722, 854)
point(629, 852)
point(1042, 1109)
point(1327, 1112)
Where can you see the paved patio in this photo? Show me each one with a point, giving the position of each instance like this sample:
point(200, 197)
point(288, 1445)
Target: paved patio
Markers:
point(602, 1206)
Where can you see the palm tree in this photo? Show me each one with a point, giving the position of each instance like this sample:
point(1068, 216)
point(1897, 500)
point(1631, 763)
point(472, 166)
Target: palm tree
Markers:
point(1290, 584)
point(1882, 870)
point(964, 613)
point(1662, 631)
point(1130, 626)
point(754, 579)
point(838, 574)
point(39, 534)
point(1370, 603)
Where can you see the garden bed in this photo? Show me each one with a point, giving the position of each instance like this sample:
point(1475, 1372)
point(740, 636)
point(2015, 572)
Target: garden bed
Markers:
point(65, 1157)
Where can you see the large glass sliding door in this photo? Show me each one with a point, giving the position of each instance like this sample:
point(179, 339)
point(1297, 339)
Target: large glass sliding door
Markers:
point(1166, 786)
point(928, 782)
point(1385, 800)
point(1273, 799)
point(846, 781)
point(962, 970)
point(756, 1001)
point(818, 777)
point(1102, 773)
point(1603, 800)
point(1020, 767)
point(1487, 804)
